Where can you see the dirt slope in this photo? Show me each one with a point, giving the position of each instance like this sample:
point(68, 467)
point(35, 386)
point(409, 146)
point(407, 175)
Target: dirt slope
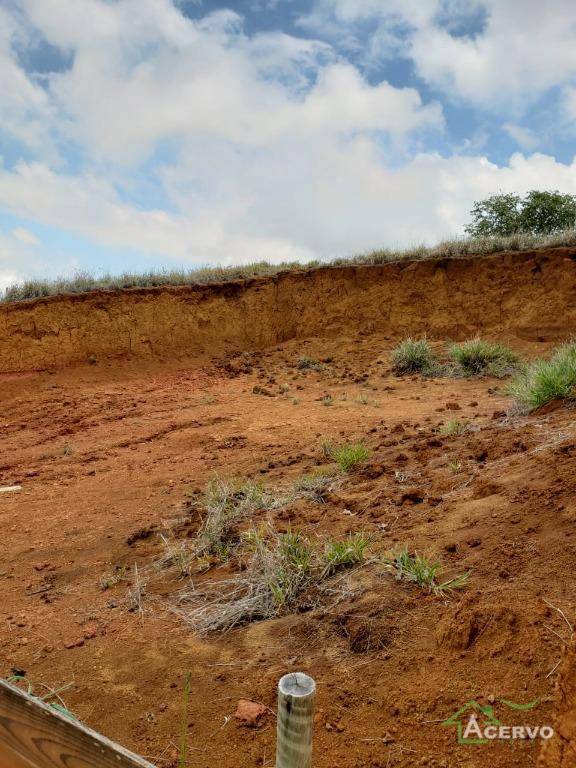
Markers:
point(109, 454)
point(527, 294)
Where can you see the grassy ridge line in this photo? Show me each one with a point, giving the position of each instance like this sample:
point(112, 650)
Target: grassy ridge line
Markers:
point(83, 282)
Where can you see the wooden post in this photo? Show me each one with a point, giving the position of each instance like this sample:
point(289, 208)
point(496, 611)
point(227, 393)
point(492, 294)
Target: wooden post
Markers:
point(295, 721)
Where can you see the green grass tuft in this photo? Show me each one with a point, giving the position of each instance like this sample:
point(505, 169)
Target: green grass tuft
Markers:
point(345, 553)
point(545, 380)
point(349, 455)
point(413, 356)
point(476, 357)
point(423, 572)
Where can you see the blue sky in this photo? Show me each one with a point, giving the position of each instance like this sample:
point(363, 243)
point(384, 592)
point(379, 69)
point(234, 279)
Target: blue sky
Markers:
point(139, 134)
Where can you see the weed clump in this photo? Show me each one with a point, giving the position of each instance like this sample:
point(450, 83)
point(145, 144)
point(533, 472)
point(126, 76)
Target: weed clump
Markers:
point(477, 357)
point(278, 568)
point(413, 356)
point(223, 506)
point(423, 572)
point(545, 380)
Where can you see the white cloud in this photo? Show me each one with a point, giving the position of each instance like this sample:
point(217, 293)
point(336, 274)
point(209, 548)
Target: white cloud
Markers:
point(264, 146)
point(90, 207)
point(164, 78)
point(25, 110)
point(18, 260)
point(328, 203)
point(524, 48)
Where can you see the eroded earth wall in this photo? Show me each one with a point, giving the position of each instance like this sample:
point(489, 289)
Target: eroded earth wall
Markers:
point(530, 295)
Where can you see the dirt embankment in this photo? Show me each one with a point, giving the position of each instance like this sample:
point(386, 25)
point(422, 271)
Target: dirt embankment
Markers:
point(527, 295)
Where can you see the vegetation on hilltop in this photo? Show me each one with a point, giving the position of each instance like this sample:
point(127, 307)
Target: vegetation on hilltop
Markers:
point(83, 282)
point(538, 213)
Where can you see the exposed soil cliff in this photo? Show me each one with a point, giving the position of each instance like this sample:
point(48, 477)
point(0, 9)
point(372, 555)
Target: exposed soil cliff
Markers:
point(528, 295)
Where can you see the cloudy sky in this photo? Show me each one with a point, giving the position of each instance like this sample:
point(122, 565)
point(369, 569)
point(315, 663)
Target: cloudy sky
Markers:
point(149, 133)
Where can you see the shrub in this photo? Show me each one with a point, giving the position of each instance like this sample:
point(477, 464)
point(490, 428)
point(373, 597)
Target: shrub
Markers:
point(476, 356)
point(424, 572)
point(546, 380)
point(413, 356)
point(349, 455)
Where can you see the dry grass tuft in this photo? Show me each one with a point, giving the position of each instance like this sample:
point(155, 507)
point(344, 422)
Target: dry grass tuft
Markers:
point(277, 569)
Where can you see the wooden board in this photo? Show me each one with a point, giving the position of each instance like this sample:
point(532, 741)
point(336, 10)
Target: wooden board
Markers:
point(33, 735)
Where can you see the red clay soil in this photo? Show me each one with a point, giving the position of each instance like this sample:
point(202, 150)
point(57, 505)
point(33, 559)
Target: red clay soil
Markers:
point(108, 454)
point(528, 294)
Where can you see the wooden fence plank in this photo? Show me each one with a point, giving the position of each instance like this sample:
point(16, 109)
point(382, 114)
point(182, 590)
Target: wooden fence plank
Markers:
point(33, 735)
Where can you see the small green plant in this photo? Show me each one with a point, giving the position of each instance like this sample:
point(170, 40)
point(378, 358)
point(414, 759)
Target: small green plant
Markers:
point(423, 572)
point(284, 389)
point(295, 401)
point(413, 356)
point(455, 466)
point(327, 400)
point(476, 357)
point(453, 427)
point(344, 554)
point(349, 455)
point(309, 364)
point(545, 380)
point(296, 551)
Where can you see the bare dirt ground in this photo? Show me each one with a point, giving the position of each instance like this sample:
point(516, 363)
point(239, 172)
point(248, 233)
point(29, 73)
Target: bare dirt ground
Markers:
point(107, 456)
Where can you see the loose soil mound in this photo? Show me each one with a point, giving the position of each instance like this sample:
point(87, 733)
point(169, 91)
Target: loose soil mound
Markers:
point(527, 294)
point(110, 454)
